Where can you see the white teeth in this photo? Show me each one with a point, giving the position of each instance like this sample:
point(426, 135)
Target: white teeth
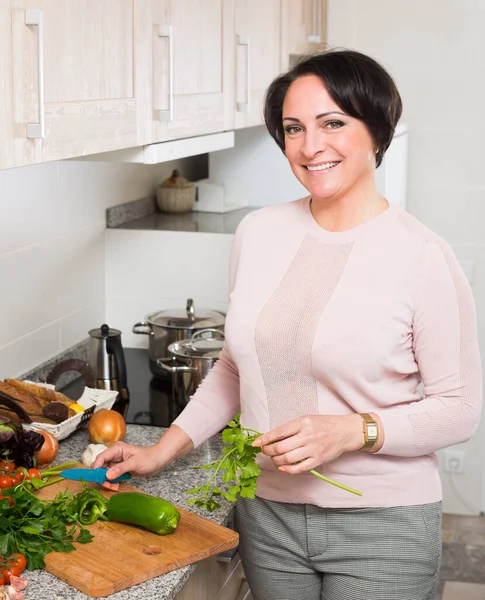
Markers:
point(322, 167)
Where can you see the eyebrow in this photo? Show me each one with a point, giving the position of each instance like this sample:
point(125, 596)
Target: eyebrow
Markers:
point(332, 112)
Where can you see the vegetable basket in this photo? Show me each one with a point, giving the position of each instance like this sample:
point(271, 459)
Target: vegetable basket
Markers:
point(91, 400)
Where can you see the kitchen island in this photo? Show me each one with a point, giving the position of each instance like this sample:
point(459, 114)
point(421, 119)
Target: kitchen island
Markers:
point(170, 484)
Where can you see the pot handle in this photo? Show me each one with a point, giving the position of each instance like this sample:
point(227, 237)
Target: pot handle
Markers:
point(190, 309)
point(174, 367)
point(216, 332)
point(137, 328)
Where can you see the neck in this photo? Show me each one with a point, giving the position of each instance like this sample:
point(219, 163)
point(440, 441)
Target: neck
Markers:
point(341, 214)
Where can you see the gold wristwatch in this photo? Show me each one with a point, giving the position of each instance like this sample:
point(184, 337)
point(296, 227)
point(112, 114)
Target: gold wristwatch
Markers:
point(371, 431)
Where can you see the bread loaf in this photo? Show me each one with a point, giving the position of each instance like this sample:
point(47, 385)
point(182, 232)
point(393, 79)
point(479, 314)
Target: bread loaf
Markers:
point(28, 401)
point(43, 394)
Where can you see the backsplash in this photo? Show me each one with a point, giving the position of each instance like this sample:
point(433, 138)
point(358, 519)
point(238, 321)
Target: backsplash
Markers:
point(53, 250)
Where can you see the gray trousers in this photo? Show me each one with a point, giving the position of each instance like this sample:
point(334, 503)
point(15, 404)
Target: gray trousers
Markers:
point(304, 552)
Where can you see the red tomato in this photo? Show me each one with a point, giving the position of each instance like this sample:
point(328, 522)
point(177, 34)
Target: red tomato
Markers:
point(31, 474)
point(9, 498)
point(21, 472)
point(17, 562)
point(7, 465)
point(5, 482)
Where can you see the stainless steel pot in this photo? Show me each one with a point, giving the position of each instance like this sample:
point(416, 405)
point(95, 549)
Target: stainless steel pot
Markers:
point(169, 326)
point(190, 361)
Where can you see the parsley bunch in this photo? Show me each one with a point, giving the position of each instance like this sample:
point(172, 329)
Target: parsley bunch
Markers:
point(237, 466)
point(37, 527)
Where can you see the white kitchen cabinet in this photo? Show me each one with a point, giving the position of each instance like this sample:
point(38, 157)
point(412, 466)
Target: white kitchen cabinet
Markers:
point(303, 28)
point(73, 79)
point(257, 37)
point(214, 579)
point(184, 69)
point(6, 91)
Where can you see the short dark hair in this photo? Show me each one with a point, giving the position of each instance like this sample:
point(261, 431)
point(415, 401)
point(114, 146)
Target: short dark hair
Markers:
point(360, 86)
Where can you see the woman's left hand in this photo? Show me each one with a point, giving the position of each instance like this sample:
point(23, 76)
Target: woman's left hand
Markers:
point(312, 440)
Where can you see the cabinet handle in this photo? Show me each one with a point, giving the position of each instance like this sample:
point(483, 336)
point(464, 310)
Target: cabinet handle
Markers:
point(244, 40)
point(35, 18)
point(166, 31)
point(315, 37)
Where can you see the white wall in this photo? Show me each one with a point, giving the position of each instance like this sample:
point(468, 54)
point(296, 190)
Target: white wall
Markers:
point(436, 52)
point(52, 251)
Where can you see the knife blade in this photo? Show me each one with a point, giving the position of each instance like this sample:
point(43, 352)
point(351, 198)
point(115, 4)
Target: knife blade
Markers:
point(96, 475)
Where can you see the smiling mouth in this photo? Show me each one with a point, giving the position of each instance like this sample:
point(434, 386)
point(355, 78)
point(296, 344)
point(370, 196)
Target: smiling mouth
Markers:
point(322, 167)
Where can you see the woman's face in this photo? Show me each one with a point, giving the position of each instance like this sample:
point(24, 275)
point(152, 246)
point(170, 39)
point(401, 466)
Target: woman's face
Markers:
point(330, 153)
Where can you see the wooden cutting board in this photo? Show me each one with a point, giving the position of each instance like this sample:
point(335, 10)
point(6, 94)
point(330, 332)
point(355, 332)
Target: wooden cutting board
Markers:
point(121, 556)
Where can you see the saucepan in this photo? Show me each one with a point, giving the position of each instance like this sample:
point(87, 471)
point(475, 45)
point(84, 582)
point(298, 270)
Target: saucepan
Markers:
point(166, 327)
point(191, 360)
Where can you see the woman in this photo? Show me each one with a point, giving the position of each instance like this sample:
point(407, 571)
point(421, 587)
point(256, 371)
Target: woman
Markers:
point(351, 341)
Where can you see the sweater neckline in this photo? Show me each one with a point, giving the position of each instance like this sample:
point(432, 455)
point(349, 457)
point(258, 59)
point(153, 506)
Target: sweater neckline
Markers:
point(349, 235)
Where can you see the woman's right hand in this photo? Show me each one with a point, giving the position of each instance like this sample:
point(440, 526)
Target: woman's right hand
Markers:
point(122, 458)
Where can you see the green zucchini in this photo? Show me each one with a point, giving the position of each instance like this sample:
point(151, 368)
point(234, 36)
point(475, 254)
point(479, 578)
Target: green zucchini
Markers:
point(151, 513)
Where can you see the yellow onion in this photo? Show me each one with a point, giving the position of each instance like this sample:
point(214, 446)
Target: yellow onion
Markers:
point(106, 427)
point(48, 451)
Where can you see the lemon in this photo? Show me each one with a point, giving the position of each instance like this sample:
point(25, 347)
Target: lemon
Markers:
point(77, 408)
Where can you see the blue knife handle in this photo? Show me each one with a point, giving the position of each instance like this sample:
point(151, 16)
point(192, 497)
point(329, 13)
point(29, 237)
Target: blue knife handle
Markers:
point(101, 473)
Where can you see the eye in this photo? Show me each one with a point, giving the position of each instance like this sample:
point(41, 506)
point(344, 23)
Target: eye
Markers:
point(334, 124)
point(292, 129)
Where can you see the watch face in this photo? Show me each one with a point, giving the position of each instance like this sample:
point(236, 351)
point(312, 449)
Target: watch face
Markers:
point(372, 431)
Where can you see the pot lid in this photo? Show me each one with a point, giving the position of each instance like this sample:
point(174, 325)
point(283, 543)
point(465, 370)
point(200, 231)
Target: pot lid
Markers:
point(206, 343)
point(186, 319)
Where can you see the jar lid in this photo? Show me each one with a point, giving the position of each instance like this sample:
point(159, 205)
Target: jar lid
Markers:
point(186, 319)
point(176, 181)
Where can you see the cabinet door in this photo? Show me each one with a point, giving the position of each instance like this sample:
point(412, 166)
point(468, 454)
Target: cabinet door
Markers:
point(257, 28)
point(184, 72)
point(74, 77)
point(303, 25)
point(6, 93)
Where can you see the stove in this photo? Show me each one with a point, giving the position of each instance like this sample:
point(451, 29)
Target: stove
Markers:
point(151, 402)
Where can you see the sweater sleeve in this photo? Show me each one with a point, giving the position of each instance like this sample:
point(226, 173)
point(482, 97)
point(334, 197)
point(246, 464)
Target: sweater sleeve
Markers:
point(216, 400)
point(446, 350)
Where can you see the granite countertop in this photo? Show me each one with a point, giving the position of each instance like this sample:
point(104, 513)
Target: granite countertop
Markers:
point(170, 484)
point(200, 222)
point(143, 215)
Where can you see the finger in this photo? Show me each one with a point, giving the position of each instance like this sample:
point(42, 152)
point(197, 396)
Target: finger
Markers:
point(114, 487)
point(279, 448)
point(107, 456)
point(279, 433)
point(301, 467)
point(129, 465)
point(293, 457)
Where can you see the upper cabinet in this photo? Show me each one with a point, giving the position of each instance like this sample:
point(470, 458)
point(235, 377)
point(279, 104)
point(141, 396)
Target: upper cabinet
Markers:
point(303, 28)
point(84, 77)
point(6, 92)
point(184, 68)
point(73, 80)
point(257, 38)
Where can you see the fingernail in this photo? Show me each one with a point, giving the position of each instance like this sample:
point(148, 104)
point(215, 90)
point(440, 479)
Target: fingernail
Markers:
point(111, 474)
point(282, 469)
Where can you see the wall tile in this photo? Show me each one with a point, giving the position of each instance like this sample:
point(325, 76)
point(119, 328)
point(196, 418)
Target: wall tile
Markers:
point(29, 351)
point(75, 326)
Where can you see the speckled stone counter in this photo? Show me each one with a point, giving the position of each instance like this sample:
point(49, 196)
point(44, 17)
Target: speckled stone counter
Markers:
point(201, 222)
point(170, 484)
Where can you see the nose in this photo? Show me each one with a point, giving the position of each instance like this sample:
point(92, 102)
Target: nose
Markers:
point(314, 142)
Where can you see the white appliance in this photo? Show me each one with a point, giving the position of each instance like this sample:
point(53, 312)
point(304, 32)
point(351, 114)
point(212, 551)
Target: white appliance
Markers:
point(256, 173)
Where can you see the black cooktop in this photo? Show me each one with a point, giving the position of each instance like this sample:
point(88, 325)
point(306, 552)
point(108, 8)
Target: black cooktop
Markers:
point(151, 402)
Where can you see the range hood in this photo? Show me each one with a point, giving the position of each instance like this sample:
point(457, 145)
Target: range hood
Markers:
point(164, 151)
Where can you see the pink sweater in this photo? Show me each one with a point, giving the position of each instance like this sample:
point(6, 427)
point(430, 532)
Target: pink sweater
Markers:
point(379, 318)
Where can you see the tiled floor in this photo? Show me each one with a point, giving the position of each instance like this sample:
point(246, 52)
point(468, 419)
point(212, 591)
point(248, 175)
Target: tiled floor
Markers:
point(463, 568)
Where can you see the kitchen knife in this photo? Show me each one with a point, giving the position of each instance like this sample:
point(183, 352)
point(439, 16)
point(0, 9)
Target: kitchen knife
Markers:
point(96, 475)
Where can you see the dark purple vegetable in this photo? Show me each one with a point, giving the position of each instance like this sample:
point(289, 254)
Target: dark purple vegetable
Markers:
point(18, 444)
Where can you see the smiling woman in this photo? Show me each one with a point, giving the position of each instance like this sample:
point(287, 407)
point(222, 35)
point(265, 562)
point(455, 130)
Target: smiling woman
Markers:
point(351, 343)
